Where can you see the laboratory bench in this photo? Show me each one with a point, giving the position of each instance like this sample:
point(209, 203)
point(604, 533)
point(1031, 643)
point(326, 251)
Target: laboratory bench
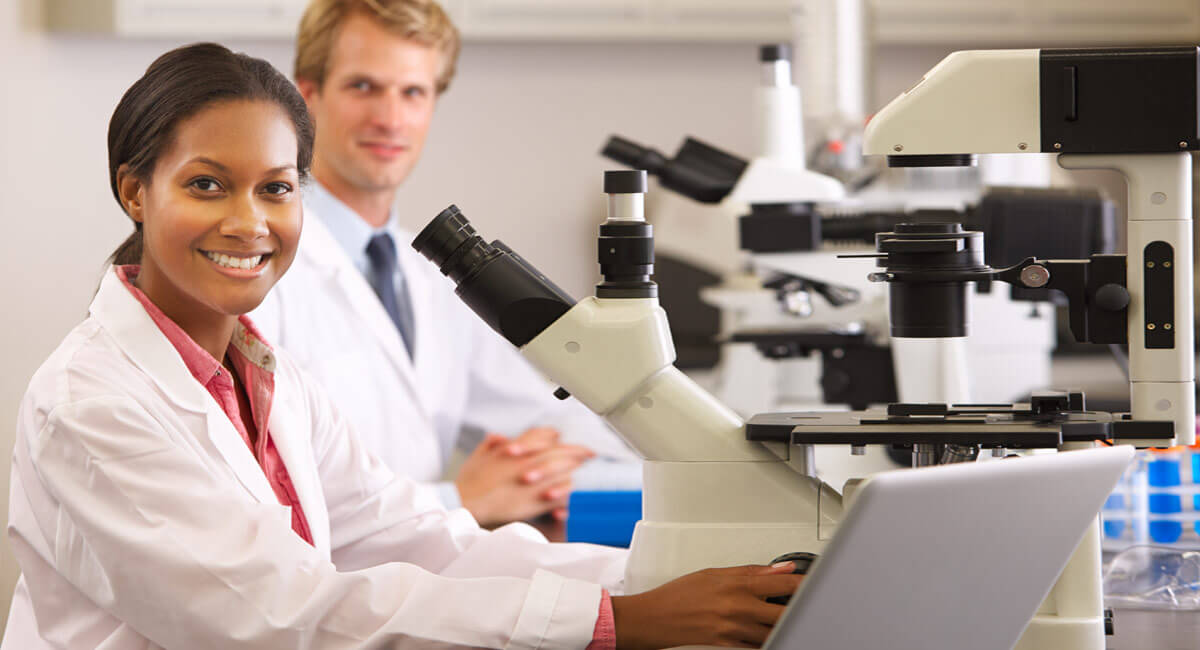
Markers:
point(1154, 630)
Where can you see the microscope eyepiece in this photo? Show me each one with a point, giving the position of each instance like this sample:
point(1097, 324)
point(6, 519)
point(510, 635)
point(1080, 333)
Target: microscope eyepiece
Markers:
point(775, 52)
point(632, 154)
point(445, 235)
point(626, 244)
point(698, 171)
point(507, 292)
point(631, 181)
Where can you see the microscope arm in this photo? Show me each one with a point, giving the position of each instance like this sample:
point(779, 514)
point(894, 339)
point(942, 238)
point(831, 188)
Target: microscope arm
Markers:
point(1159, 280)
point(616, 357)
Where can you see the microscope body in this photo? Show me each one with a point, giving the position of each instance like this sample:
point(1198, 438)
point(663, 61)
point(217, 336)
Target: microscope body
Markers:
point(710, 496)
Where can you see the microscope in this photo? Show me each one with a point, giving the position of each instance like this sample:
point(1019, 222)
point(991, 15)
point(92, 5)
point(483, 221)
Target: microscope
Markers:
point(798, 328)
point(719, 491)
point(1133, 111)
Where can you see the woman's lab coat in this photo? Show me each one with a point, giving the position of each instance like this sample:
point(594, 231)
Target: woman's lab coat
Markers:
point(326, 316)
point(141, 520)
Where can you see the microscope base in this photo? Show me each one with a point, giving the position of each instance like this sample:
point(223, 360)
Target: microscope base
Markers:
point(1061, 633)
point(699, 515)
point(1072, 615)
point(661, 552)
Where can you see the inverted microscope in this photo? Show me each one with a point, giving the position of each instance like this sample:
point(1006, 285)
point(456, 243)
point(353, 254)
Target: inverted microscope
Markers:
point(798, 328)
point(720, 491)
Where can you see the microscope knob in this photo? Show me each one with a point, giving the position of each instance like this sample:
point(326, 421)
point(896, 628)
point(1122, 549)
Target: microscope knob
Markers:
point(802, 561)
point(836, 383)
point(1112, 297)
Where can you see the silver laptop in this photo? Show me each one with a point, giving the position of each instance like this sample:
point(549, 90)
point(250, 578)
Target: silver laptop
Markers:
point(950, 557)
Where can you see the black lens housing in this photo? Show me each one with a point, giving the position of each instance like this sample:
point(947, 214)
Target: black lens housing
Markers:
point(507, 292)
point(928, 266)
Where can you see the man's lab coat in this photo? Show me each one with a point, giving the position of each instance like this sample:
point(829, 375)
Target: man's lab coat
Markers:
point(328, 318)
point(141, 519)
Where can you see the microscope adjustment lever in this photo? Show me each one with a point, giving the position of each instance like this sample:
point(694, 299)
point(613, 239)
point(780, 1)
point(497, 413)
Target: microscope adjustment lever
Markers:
point(1095, 288)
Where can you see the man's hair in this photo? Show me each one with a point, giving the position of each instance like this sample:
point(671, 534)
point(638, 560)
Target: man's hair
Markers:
point(421, 21)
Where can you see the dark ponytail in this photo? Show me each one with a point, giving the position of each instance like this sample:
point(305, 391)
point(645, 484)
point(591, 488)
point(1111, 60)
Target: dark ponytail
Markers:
point(178, 85)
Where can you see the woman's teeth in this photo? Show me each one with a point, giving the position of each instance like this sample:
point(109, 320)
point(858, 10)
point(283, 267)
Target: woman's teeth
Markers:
point(235, 262)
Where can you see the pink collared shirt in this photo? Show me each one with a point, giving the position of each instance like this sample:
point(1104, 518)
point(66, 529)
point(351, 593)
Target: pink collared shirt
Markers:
point(254, 363)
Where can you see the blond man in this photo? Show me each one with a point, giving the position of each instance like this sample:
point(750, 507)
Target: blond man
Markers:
point(415, 371)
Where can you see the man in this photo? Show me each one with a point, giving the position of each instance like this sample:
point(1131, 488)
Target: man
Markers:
point(414, 370)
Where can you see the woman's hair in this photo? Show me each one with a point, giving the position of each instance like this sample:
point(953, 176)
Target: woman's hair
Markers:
point(178, 85)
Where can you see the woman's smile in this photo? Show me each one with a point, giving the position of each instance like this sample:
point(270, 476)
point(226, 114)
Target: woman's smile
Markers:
point(238, 265)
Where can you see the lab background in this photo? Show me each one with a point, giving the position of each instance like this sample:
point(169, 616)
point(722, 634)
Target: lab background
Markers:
point(540, 88)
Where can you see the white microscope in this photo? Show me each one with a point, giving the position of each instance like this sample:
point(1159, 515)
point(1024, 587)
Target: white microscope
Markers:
point(800, 328)
point(719, 491)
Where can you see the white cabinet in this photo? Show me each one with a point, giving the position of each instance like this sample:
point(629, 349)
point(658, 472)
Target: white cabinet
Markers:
point(966, 23)
point(624, 20)
point(484, 20)
point(201, 19)
point(1041, 23)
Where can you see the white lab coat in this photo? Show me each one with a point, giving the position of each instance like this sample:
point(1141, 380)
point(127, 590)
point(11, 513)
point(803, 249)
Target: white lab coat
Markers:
point(141, 520)
point(465, 376)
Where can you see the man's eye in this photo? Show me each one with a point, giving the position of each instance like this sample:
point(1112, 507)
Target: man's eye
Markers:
point(278, 189)
point(362, 86)
point(414, 91)
point(206, 184)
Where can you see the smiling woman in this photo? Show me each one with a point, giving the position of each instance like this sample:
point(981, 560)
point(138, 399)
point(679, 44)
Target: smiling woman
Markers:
point(212, 185)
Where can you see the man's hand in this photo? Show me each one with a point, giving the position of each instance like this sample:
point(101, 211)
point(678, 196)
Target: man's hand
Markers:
point(725, 607)
point(507, 480)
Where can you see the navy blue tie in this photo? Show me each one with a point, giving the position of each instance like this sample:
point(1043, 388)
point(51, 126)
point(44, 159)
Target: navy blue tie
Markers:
point(381, 250)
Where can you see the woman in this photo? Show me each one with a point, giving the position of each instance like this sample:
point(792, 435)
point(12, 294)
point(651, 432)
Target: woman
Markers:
point(177, 484)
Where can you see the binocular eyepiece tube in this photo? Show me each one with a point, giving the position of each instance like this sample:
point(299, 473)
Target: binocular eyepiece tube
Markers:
point(507, 292)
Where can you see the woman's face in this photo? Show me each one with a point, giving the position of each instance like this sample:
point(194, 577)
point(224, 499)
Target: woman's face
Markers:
point(221, 213)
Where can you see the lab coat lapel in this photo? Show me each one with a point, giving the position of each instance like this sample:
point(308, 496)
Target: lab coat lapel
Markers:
point(139, 338)
point(237, 453)
point(324, 253)
point(292, 435)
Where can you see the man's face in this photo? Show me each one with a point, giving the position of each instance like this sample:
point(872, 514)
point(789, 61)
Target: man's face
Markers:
point(373, 111)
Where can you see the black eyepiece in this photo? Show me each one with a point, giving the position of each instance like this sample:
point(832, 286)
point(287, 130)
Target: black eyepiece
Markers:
point(775, 52)
point(632, 154)
point(698, 171)
point(507, 292)
point(444, 236)
point(625, 181)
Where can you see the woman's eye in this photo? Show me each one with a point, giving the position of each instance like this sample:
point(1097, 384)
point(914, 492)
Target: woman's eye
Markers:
point(278, 189)
point(206, 184)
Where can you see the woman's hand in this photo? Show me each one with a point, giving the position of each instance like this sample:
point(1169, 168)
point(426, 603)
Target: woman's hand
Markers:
point(725, 607)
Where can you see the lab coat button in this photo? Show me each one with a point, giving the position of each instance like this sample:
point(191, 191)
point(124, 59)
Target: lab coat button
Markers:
point(561, 393)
